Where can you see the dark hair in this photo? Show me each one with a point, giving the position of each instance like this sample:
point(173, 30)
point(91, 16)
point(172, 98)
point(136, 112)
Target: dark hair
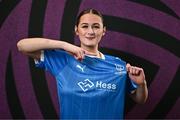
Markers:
point(92, 11)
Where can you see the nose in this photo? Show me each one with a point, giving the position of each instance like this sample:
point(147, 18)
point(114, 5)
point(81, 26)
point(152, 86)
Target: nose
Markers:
point(90, 31)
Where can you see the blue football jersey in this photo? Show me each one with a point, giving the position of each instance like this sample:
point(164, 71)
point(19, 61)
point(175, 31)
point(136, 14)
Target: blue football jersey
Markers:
point(93, 88)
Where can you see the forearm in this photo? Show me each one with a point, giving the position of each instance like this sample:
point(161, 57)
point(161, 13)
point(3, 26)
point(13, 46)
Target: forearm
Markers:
point(29, 45)
point(141, 94)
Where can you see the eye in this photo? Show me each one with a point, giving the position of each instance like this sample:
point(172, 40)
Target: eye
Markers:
point(84, 26)
point(96, 26)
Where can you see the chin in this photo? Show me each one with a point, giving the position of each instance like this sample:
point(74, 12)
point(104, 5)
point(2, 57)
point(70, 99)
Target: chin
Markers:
point(87, 43)
point(90, 45)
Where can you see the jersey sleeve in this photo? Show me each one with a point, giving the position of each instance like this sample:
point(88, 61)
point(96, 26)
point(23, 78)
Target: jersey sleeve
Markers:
point(52, 60)
point(131, 86)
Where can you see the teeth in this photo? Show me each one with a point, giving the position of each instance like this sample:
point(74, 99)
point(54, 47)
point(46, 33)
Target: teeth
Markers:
point(90, 38)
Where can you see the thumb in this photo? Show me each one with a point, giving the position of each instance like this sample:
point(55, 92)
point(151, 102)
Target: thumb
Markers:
point(128, 66)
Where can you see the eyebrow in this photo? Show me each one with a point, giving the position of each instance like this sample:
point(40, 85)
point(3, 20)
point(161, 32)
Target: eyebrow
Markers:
point(87, 23)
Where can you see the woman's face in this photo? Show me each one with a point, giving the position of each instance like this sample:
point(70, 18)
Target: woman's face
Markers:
point(90, 30)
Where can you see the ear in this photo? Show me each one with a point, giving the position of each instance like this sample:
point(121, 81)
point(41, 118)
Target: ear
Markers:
point(76, 30)
point(104, 30)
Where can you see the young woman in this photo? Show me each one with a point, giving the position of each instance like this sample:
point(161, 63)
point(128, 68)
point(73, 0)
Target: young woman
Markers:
point(89, 83)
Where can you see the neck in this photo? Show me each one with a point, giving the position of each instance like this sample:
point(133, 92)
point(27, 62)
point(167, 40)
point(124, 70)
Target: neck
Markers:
point(93, 49)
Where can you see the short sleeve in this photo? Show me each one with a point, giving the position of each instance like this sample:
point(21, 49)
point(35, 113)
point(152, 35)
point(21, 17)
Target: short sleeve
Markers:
point(130, 85)
point(53, 60)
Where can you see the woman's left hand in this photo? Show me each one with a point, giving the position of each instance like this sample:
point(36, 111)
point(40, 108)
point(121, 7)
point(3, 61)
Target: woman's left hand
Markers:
point(136, 74)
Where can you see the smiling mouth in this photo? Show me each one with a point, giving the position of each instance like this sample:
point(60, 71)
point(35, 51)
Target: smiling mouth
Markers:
point(90, 38)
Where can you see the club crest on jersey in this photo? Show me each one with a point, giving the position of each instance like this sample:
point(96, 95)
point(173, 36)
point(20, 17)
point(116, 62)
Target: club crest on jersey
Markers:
point(120, 69)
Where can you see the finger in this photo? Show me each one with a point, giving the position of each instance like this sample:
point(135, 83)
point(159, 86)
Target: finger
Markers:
point(141, 71)
point(77, 56)
point(133, 70)
point(130, 70)
point(137, 71)
point(82, 54)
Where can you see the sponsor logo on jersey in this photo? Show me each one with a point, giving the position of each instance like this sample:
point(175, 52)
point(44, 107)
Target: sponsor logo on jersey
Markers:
point(107, 86)
point(87, 84)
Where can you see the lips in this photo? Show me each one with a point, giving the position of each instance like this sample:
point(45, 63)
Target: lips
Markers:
point(90, 38)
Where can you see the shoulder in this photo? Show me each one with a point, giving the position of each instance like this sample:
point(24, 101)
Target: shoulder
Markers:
point(57, 55)
point(52, 51)
point(55, 52)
